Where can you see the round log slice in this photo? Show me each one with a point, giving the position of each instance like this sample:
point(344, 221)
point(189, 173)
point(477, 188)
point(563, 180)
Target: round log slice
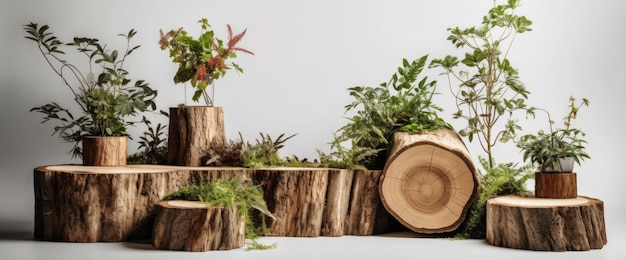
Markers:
point(193, 130)
point(429, 181)
point(546, 224)
point(192, 226)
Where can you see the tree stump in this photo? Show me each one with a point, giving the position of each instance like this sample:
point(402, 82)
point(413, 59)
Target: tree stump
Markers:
point(556, 185)
point(296, 197)
point(192, 226)
point(193, 130)
point(366, 213)
point(429, 181)
point(105, 150)
point(76, 203)
point(337, 199)
point(546, 224)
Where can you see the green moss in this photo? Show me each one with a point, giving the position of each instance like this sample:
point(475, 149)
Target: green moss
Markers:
point(229, 194)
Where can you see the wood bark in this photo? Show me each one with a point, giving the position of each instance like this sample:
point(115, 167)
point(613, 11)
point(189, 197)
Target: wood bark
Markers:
point(337, 199)
point(87, 204)
point(546, 224)
point(556, 185)
point(296, 197)
point(192, 226)
point(366, 213)
point(193, 130)
point(429, 181)
point(105, 150)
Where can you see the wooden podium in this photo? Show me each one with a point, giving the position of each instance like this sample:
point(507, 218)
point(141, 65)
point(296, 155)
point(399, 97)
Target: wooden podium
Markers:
point(546, 224)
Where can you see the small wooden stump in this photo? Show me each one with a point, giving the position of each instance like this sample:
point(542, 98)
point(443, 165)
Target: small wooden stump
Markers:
point(192, 226)
point(105, 150)
point(193, 130)
point(546, 224)
point(556, 185)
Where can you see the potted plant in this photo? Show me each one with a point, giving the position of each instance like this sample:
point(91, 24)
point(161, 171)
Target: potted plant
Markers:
point(104, 93)
point(555, 153)
point(487, 90)
point(200, 62)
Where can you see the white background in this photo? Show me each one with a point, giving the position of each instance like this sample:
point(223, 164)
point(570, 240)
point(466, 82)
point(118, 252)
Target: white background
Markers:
point(307, 54)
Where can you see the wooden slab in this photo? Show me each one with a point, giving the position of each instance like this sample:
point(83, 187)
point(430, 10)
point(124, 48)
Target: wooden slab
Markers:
point(87, 204)
point(546, 224)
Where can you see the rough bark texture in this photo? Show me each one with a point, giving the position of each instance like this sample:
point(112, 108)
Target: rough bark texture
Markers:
point(88, 204)
point(337, 199)
point(366, 214)
point(429, 182)
point(296, 197)
point(191, 226)
point(192, 132)
point(546, 224)
point(556, 185)
point(105, 150)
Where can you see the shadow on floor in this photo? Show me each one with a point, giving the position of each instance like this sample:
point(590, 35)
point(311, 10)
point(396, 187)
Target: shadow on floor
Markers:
point(16, 231)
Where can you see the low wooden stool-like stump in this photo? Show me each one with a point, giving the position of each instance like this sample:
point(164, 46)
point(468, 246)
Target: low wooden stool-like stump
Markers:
point(546, 224)
point(192, 226)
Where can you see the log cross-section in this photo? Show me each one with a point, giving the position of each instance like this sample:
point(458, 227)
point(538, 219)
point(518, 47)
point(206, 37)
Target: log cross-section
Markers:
point(429, 181)
point(546, 224)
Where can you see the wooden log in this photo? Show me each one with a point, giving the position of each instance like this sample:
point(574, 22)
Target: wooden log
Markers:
point(556, 185)
point(546, 224)
point(87, 204)
point(429, 181)
point(105, 150)
point(296, 198)
point(193, 130)
point(366, 213)
point(337, 201)
point(192, 226)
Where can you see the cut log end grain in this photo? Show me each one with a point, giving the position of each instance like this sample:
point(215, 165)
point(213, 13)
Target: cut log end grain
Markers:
point(192, 226)
point(429, 182)
point(546, 224)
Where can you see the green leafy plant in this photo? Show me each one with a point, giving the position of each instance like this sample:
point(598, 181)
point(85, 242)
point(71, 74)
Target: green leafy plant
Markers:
point(103, 91)
point(404, 103)
point(152, 144)
point(264, 152)
point(202, 60)
point(230, 193)
point(503, 179)
point(489, 87)
point(548, 149)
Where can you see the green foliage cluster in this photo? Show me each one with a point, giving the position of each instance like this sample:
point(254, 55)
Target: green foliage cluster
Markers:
point(503, 179)
point(263, 153)
point(404, 103)
point(104, 92)
point(546, 149)
point(202, 60)
point(230, 193)
point(152, 144)
point(488, 85)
